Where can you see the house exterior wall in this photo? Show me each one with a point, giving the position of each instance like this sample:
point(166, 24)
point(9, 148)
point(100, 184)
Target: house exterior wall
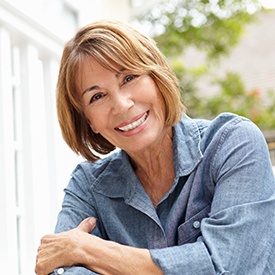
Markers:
point(254, 56)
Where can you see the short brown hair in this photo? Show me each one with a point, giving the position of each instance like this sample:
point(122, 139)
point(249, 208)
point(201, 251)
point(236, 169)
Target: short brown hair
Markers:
point(114, 45)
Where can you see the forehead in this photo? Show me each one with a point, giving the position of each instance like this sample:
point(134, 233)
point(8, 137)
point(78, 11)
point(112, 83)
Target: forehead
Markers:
point(90, 64)
point(90, 72)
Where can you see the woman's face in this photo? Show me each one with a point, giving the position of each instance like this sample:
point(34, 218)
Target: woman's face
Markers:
point(126, 109)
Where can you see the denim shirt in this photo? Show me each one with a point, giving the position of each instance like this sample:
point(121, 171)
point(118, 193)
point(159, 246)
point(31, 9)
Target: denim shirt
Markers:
point(218, 217)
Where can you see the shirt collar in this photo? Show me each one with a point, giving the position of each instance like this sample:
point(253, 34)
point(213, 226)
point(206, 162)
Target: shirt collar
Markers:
point(186, 144)
point(118, 178)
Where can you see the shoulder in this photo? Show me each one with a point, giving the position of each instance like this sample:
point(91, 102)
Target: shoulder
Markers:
point(196, 140)
point(228, 134)
point(216, 132)
point(107, 176)
point(225, 122)
point(91, 171)
point(229, 126)
point(102, 174)
point(234, 141)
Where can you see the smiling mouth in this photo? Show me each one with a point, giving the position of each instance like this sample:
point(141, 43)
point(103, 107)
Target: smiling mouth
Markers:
point(134, 124)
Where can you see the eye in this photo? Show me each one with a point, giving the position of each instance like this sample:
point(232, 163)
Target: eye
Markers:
point(96, 97)
point(129, 78)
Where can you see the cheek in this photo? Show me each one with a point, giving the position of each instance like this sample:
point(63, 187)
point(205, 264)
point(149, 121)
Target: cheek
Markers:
point(94, 128)
point(94, 120)
point(160, 103)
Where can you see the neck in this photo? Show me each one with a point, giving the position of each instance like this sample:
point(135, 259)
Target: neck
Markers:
point(154, 167)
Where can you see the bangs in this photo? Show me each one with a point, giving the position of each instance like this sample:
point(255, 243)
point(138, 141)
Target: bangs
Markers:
point(115, 50)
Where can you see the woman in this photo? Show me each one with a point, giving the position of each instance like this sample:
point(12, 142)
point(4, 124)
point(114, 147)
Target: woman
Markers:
point(182, 196)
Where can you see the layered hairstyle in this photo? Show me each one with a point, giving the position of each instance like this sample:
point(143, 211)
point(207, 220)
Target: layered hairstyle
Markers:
point(115, 46)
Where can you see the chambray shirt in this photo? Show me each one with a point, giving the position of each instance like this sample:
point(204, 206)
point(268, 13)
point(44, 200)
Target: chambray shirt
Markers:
point(218, 217)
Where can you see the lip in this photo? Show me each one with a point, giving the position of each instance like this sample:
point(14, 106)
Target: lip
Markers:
point(131, 121)
point(127, 122)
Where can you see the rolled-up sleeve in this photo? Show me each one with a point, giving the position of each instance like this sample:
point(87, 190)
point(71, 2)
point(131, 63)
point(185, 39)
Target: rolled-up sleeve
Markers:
point(75, 270)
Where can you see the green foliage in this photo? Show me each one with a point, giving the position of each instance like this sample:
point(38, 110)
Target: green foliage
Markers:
point(188, 82)
point(233, 97)
point(212, 26)
point(252, 104)
point(215, 28)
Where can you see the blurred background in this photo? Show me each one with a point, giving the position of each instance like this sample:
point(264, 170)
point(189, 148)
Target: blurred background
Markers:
point(222, 52)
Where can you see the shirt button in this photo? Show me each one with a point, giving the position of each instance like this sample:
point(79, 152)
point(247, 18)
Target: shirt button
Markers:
point(60, 270)
point(196, 224)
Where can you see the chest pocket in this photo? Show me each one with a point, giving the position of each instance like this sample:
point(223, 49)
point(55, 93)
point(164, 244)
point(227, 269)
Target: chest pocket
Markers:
point(190, 230)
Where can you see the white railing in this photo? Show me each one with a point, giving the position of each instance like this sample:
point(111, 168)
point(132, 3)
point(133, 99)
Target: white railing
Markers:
point(35, 163)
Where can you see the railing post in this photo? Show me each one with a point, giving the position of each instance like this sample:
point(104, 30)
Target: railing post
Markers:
point(8, 211)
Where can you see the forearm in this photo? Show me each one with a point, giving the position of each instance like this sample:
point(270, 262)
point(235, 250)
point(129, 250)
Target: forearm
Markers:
point(106, 257)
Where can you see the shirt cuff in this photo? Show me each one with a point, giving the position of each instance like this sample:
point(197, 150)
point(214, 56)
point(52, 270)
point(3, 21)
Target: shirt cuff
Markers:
point(188, 259)
point(75, 270)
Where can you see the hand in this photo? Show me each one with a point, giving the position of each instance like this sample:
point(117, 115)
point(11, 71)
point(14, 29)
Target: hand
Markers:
point(57, 250)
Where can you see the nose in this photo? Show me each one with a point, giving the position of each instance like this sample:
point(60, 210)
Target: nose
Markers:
point(122, 102)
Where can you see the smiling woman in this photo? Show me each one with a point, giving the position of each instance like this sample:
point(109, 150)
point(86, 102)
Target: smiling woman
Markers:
point(179, 196)
point(123, 108)
point(124, 59)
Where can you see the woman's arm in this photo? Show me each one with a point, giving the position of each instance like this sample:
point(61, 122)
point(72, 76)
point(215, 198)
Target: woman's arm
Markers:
point(238, 236)
point(78, 247)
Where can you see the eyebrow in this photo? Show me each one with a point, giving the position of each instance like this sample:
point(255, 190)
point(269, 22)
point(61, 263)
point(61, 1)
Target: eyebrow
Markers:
point(95, 87)
point(90, 89)
point(117, 75)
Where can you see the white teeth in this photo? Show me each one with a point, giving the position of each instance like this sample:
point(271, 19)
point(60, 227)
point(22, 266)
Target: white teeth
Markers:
point(133, 125)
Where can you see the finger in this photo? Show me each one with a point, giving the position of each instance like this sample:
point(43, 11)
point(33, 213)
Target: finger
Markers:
point(87, 225)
